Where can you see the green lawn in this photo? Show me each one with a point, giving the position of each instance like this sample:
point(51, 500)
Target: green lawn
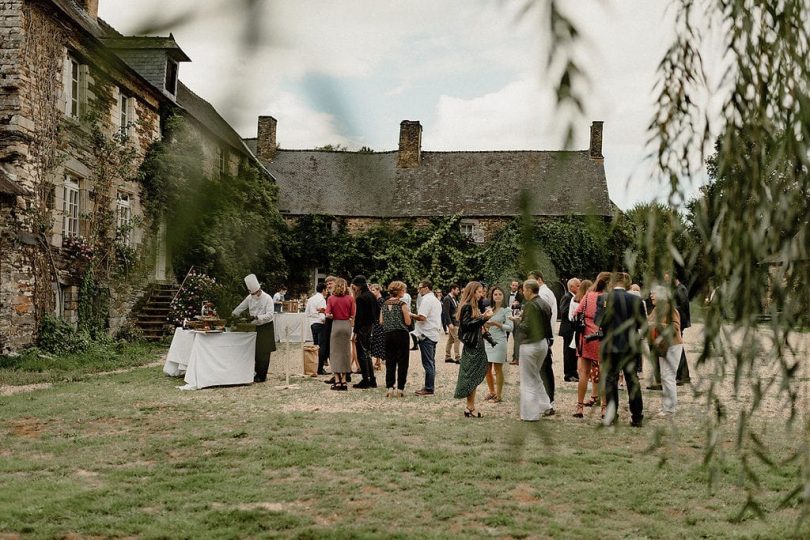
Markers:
point(129, 455)
point(36, 367)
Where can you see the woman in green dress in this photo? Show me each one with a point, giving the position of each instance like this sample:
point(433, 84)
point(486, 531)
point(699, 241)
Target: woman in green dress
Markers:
point(474, 363)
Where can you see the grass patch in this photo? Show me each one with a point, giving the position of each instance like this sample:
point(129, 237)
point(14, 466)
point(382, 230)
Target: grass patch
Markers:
point(34, 366)
point(129, 455)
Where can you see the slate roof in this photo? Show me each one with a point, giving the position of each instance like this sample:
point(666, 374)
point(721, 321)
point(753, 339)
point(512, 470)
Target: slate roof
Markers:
point(167, 44)
point(207, 115)
point(477, 184)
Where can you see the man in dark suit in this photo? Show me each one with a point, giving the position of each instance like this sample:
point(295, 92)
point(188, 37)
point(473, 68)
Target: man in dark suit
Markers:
point(449, 308)
point(621, 319)
point(566, 332)
point(367, 312)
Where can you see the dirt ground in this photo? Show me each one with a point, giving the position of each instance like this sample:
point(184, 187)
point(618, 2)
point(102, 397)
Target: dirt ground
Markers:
point(691, 397)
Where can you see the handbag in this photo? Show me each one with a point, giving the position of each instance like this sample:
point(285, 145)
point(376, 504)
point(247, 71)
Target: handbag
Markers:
point(579, 321)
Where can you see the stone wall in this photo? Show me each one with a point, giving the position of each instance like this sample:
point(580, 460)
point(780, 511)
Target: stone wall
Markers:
point(489, 225)
point(34, 43)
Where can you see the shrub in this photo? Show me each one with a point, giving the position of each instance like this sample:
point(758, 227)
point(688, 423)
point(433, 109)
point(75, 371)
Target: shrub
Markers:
point(57, 336)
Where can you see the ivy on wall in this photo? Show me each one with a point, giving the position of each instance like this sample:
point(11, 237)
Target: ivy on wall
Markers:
point(223, 225)
point(565, 247)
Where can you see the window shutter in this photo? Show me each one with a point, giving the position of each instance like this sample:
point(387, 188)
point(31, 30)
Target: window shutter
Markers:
point(132, 115)
point(84, 90)
point(115, 116)
point(67, 68)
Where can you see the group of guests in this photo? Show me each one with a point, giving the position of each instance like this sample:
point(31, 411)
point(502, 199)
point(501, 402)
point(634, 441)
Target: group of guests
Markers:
point(602, 323)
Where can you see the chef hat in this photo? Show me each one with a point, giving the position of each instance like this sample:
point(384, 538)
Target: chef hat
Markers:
point(252, 283)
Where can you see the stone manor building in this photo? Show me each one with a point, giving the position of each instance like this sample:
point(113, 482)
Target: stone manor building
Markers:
point(59, 64)
point(409, 184)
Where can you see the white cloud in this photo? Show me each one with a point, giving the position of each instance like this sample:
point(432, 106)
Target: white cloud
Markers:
point(299, 125)
point(422, 59)
point(511, 118)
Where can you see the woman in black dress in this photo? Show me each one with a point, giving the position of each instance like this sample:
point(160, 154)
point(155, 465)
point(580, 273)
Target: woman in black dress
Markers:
point(377, 331)
point(474, 363)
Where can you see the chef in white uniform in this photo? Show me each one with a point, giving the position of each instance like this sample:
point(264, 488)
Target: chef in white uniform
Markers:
point(260, 307)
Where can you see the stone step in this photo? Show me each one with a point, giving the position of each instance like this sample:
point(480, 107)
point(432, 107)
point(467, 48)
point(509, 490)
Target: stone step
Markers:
point(153, 323)
point(155, 309)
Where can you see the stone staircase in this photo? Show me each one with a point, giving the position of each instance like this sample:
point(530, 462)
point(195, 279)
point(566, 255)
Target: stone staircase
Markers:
point(151, 319)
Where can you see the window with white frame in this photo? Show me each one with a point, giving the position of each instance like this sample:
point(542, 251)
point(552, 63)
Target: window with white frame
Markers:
point(472, 229)
point(123, 113)
point(73, 88)
point(70, 208)
point(223, 161)
point(124, 212)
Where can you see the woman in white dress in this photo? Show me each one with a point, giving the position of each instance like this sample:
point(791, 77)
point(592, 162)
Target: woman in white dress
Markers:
point(498, 326)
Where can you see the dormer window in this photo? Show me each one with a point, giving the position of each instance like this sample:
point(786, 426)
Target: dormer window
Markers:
point(171, 77)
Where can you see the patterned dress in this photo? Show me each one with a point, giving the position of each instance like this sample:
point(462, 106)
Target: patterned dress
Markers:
point(474, 363)
point(378, 336)
point(589, 350)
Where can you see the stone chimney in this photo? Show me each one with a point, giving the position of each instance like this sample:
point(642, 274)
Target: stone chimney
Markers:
point(91, 7)
point(266, 138)
point(410, 144)
point(596, 140)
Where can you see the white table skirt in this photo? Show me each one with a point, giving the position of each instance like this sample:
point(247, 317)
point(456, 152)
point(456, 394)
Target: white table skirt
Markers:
point(179, 352)
point(221, 359)
point(288, 327)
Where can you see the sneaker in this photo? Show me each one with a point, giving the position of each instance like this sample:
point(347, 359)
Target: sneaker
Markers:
point(424, 392)
point(549, 412)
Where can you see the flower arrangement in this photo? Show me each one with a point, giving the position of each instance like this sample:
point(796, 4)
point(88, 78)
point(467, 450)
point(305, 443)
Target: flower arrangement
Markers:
point(197, 288)
point(79, 252)
point(78, 249)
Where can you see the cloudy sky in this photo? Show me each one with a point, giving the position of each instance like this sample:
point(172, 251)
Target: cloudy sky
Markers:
point(471, 71)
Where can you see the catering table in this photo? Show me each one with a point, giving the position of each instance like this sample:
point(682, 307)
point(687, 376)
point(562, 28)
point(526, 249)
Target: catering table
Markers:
point(179, 352)
point(211, 359)
point(292, 328)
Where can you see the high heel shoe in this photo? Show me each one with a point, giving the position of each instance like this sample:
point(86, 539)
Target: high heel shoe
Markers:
point(591, 402)
point(580, 410)
point(472, 413)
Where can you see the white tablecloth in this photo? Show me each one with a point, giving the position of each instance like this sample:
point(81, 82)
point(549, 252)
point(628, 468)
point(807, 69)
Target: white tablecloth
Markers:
point(179, 352)
point(288, 327)
point(220, 359)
